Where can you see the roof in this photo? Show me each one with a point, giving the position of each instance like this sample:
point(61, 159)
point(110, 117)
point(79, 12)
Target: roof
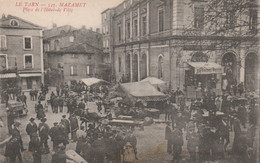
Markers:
point(143, 90)
point(81, 48)
point(56, 31)
point(206, 67)
point(5, 22)
point(153, 81)
point(92, 81)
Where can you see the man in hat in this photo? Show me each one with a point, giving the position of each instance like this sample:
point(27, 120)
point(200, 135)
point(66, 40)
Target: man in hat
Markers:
point(23, 98)
point(10, 120)
point(44, 134)
point(81, 105)
point(237, 132)
point(55, 135)
point(168, 137)
point(16, 134)
point(66, 124)
point(31, 127)
point(74, 124)
point(60, 155)
point(61, 103)
point(55, 104)
point(40, 110)
point(177, 143)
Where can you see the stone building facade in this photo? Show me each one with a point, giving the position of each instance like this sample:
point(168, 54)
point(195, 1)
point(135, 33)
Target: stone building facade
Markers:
point(73, 54)
point(150, 38)
point(21, 52)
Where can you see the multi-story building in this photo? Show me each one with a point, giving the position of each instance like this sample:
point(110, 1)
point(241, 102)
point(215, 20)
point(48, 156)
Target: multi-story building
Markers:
point(170, 40)
point(107, 34)
point(21, 55)
point(73, 54)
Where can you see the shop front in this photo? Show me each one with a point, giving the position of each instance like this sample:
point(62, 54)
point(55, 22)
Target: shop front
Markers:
point(203, 78)
point(30, 80)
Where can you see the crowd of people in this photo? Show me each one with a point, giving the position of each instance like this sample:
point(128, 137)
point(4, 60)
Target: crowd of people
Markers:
point(200, 123)
point(206, 124)
point(95, 141)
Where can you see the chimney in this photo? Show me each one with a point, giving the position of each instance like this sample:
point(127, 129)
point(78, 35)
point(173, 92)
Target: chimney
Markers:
point(54, 25)
point(91, 29)
point(3, 16)
point(98, 30)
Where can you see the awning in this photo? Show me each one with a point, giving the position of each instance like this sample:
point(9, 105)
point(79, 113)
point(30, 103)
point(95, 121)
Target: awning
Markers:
point(143, 90)
point(7, 75)
point(92, 81)
point(206, 68)
point(153, 81)
point(30, 75)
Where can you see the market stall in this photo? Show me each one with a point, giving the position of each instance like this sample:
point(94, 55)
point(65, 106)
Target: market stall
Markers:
point(144, 92)
point(157, 83)
point(202, 76)
point(94, 81)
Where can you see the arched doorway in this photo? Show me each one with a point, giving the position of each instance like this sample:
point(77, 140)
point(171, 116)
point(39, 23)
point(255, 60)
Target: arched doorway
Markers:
point(144, 66)
point(251, 81)
point(160, 67)
point(127, 68)
point(229, 62)
point(135, 67)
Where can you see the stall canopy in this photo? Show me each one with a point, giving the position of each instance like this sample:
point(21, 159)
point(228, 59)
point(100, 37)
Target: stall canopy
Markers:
point(93, 81)
point(143, 91)
point(206, 68)
point(153, 81)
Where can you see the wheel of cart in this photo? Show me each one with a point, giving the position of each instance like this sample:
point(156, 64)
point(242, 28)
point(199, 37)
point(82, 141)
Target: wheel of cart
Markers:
point(18, 108)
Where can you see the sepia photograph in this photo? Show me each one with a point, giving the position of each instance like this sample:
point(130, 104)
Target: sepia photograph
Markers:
point(129, 81)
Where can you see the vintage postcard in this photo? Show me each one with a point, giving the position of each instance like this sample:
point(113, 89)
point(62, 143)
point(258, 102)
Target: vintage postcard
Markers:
point(129, 81)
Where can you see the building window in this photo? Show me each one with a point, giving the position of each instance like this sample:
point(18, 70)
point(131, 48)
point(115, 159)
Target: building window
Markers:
point(230, 19)
point(119, 64)
point(107, 29)
point(3, 62)
point(3, 42)
point(107, 44)
point(128, 29)
point(88, 69)
point(28, 61)
point(104, 43)
point(71, 38)
point(198, 17)
point(56, 45)
point(252, 19)
point(144, 25)
point(136, 27)
point(119, 33)
point(161, 19)
point(14, 23)
point(160, 67)
point(73, 70)
point(27, 43)
point(60, 65)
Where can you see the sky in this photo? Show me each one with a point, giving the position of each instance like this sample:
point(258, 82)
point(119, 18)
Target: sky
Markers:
point(88, 15)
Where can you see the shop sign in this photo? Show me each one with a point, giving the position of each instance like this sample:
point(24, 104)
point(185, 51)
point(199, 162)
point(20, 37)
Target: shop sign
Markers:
point(209, 70)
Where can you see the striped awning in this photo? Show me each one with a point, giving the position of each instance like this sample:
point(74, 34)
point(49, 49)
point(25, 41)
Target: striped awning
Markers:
point(7, 75)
